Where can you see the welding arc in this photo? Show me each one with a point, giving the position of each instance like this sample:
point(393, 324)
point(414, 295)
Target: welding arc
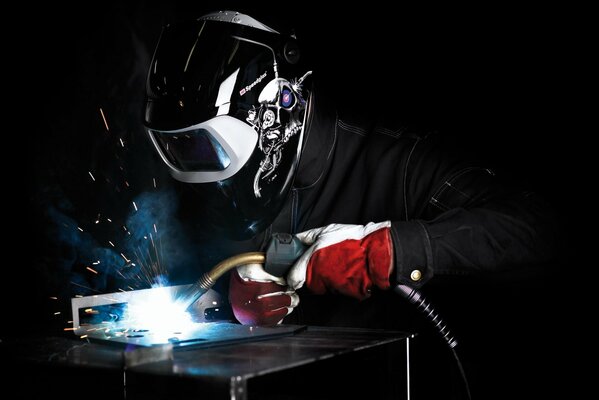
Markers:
point(208, 280)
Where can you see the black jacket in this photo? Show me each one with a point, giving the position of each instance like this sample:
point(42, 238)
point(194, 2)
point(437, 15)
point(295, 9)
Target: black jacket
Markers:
point(450, 215)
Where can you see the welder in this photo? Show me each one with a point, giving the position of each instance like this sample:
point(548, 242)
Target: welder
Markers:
point(236, 114)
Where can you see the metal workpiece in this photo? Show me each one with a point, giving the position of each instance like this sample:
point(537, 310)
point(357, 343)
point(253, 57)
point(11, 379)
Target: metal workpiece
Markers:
point(109, 310)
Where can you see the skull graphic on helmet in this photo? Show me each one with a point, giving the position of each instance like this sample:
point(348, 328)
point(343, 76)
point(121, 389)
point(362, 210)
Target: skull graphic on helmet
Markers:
point(278, 118)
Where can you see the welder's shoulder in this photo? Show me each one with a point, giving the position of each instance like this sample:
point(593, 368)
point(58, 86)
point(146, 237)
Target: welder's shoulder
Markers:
point(384, 137)
point(366, 118)
point(380, 124)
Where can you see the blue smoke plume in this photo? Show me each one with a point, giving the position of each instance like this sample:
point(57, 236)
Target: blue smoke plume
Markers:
point(148, 248)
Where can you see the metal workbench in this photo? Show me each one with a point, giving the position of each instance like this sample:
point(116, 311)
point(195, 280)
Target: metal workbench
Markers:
point(314, 363)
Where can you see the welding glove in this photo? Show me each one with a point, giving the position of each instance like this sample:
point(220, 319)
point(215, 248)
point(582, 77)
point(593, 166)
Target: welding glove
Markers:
point(259, 298)
point(345, 259)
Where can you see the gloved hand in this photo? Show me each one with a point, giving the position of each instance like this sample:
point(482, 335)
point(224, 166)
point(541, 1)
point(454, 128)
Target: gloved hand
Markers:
point(259, 298)
point(345, 259)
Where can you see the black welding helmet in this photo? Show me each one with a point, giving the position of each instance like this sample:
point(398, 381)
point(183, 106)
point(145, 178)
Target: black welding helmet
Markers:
point(225, 110)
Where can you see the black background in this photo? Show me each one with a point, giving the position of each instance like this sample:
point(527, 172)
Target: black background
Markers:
point(498, 80)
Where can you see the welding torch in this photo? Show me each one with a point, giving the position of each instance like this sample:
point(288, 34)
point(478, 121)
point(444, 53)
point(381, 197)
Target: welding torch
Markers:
point(281, 253)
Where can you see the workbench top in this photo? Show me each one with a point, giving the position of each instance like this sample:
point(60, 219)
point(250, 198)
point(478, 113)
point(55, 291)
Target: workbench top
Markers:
point(246, 370)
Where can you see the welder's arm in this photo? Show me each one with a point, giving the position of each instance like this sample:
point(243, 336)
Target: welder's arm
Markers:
point(463, 219)
point(506, 233)
point(259, 298)
point(345, 259)
point(460, 220)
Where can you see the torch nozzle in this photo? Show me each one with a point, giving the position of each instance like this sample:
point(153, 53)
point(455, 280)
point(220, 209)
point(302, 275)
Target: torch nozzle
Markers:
point(208, 280)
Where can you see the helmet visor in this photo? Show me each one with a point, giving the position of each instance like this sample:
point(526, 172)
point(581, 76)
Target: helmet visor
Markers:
point(205, 69)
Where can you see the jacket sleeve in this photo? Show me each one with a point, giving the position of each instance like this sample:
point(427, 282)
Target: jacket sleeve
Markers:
point(461, 219)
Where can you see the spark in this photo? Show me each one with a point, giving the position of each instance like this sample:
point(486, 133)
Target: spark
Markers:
point(53, 298)
point(68, 329)
point(89, 310)
point(91, 270)
point(85, 287)
point(56, 313)
point(130, 287)
point(155, 230)
point(121, 290)
point(110, 243)
point(108, 219)
point(78, 295)
point(104, 119)
point(122, 143)
point(80, 229)
point(154, 180)
point(90, 174)
point(83, 336)
point(120, 273)
point(96, 262)
point(69, 322)
point(145, 237)
point(134, 206)
point(126, 259)
point(126, 183)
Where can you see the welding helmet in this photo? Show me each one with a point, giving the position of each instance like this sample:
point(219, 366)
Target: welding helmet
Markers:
point(226, 112)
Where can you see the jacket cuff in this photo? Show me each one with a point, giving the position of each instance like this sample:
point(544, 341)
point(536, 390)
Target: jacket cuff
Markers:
point(413, 254)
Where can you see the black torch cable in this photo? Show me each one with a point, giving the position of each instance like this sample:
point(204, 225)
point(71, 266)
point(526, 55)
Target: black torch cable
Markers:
point(416, 298)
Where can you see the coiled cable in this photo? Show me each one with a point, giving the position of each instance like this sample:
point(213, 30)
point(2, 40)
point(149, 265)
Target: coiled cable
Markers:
point(415, 297)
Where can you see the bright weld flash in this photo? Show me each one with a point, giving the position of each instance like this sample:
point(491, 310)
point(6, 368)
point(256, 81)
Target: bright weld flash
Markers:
point(160, 314)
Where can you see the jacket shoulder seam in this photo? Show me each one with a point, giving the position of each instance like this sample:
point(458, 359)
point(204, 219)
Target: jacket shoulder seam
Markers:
point(351, 128)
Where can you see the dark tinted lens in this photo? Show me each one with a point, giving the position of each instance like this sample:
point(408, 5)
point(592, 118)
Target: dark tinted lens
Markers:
point(195, 150)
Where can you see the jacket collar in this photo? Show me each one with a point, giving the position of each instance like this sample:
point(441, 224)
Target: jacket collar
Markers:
point(319, 141)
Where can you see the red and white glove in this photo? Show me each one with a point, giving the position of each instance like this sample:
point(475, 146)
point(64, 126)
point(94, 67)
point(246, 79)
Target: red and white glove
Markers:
point(259, 298)
point(345, 259)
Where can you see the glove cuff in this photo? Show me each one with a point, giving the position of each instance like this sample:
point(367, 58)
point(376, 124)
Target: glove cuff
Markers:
point(379, 257)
